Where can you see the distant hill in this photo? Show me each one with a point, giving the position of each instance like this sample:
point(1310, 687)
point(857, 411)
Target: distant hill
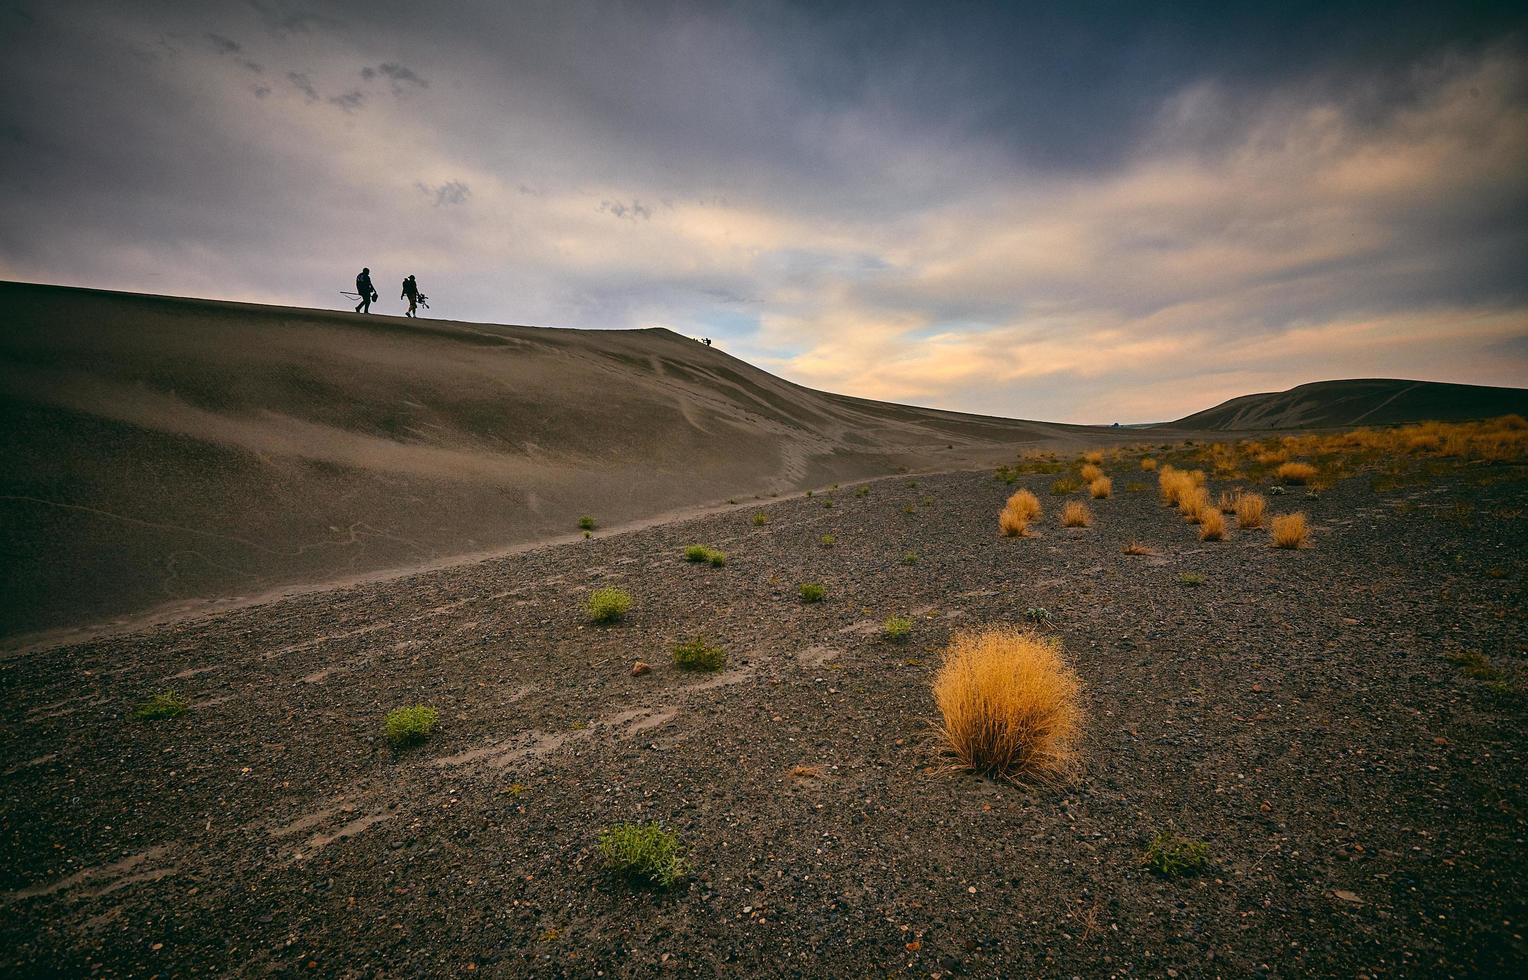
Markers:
point(160, 450)
point(1364, 401)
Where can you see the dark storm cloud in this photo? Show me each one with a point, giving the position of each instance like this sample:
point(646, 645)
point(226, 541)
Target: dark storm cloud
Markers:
point(947, 186)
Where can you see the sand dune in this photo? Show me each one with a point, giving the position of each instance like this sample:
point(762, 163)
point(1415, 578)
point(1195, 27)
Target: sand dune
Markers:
point(1366, 401)
point(161, 450)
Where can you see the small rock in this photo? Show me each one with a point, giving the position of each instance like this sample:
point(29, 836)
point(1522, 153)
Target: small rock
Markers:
point(1347, 896)
point(640, 667)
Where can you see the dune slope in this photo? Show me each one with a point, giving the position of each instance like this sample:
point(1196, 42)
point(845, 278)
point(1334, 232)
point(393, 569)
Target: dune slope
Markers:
point(160, 450)
point(1362, 401)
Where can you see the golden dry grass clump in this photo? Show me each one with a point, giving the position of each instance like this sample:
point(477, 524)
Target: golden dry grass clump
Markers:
point(1212, 526)
point(1135, 548)
point(1228, 501)
point(1300, 473)
point(1289, 530)
point(1076, 514)
point(1095, 457)
point(1020, 509)
point(1101, 488)
point(1147, 463)
point(1091, 472)
point(1010, 704)
point(1193, 503)
point(1249, 510)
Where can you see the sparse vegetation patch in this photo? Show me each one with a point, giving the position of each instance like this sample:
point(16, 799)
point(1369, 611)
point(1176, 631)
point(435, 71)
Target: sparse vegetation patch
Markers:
point(1289, 530)
point(699, 655)
point(609, 605)
point(165, 704)
point(409, 726)
point(897, 628)
point(1171, 856)
point(811, 592)
point(644, 853)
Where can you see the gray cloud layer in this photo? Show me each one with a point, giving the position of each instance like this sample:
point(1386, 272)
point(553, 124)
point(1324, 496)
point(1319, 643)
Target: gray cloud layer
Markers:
point(1081, 215)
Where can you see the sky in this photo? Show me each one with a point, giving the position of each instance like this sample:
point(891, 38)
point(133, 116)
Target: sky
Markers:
point(1080, 212)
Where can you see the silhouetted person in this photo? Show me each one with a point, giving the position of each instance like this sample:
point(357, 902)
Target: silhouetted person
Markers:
point(707, 341)
point(410, 293)
point(364, 288)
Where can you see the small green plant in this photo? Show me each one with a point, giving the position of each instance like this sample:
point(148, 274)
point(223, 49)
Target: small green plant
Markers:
point(863, 491)
point(926, 502)
point(1135, 486)
point(897, 628)
point(809, 493)
point(165, 704)
point(409, 726)
point(1038, 615)
point(909, 509)
point(699, 655)
point(609, 605)
point(829, 541)
point(759, 520)
point(910, 558)
point(828, 502)
point(701, 553)
point(587, 535)
point(1477, 665)
point(1064, 486)
point(811, 592)
point(1172, 856)
point(1190, 578)
point(587, 523)
point(644, 853)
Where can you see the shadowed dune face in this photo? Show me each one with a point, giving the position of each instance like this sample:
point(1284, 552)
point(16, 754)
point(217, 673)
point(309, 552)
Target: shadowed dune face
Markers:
point(160, 450)
point(1372, 401)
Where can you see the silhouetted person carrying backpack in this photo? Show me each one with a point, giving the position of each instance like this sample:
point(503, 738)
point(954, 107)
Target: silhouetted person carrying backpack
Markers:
point(364, 288)
point(410, 293)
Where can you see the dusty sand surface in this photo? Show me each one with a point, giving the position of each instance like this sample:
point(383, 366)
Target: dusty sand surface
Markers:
point(1361, 794)
point(169, 451)
point(1359, 401)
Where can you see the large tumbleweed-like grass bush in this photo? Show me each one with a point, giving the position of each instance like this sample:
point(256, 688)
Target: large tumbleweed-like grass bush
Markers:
point(1289, 530)
point(1297, 473)
point(1249, 510)
point(1076, 514)
point(1010, 705)
point(644, 853)
point(1016, 514)
point(1090, 472)
point(1212, 526)
point(1101, 488)
point(609, 605)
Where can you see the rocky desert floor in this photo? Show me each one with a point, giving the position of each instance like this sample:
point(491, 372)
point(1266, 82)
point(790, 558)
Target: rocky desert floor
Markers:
point(1319, 718)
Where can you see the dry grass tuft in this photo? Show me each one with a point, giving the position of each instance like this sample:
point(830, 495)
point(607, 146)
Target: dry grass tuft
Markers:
point(1010, 704)
point(1228, 501)
point(1095, 457)
point(1249, 510)
point(1101, 488)
point(1136, 548)
point(1016, 514)
point(1147, 463)
point(1212, 526)
point(1091, 472)
point(1297, 473)
point(1193, 503)
point(1076, 514)
point(1289, 531)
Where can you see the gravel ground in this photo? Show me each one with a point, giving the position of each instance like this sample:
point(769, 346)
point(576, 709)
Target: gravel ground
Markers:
point(1361, 794)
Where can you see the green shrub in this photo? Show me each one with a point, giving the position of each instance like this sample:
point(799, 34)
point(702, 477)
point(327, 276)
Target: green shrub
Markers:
point(759, 520)
point(1064, 486)
point(699, 655)
point(829, 540)
point(812, 592)
point(862, 491)
point(700, 553)
point(165, 704)
point(1172, 856)
point(897, 628)
point(910, 558)
point(926, 502)
point(587, 523)
point(608, 605)
point(1190, 578)
point(828, 502)
point(409, 726)
point(644, 853)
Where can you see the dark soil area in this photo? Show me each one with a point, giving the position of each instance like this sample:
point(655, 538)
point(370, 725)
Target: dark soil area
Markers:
point(1313, 716)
